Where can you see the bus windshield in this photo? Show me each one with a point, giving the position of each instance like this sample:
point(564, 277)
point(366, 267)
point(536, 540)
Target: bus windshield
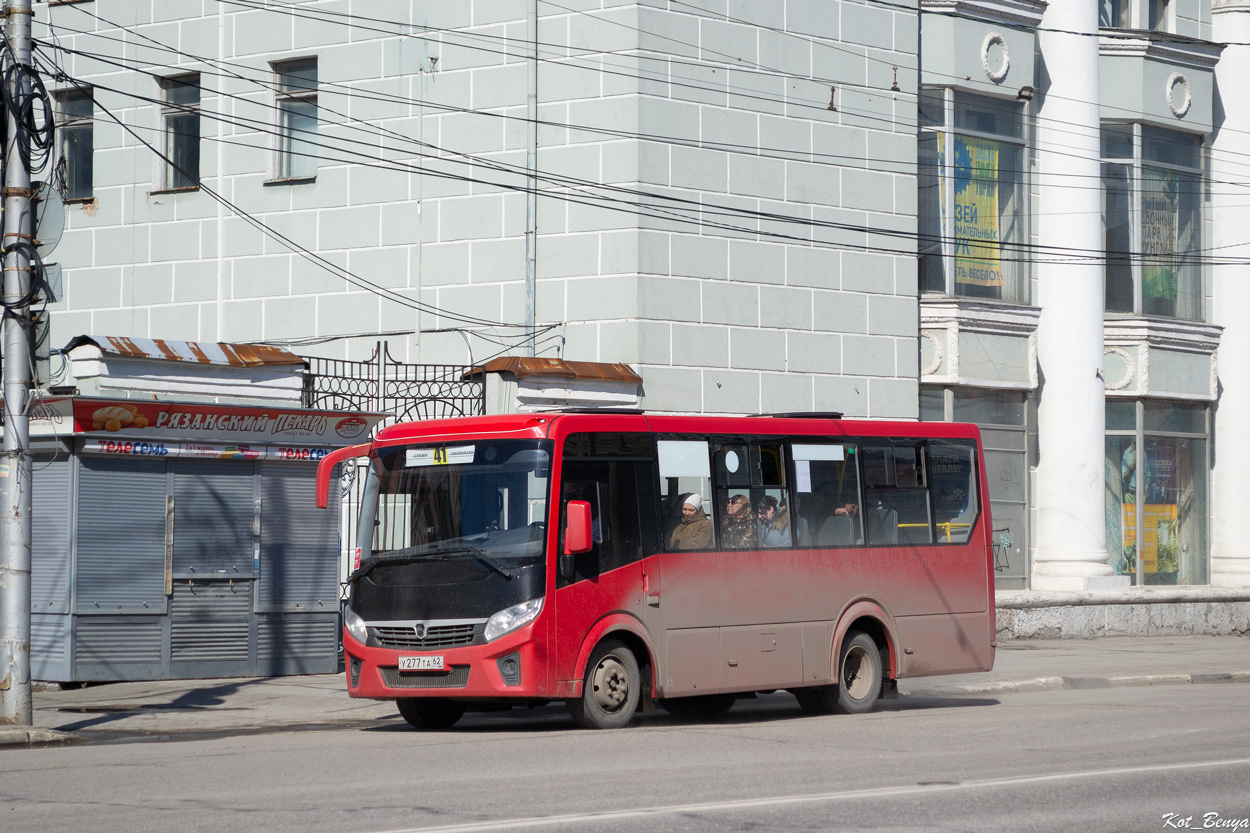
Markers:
point(478, 499)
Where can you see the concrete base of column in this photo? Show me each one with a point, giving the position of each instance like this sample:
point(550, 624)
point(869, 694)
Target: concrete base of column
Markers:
point(1230, 571)
point(1080, 584)
point(1071, 572)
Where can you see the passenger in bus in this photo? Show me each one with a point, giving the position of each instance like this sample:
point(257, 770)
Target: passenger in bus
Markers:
point(738, 528)
point(695, 530)
point(774, 522)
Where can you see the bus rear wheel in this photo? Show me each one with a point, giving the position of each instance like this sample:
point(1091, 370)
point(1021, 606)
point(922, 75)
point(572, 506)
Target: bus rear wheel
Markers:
point(610, 690)
point(859, 674)
point(430, 712)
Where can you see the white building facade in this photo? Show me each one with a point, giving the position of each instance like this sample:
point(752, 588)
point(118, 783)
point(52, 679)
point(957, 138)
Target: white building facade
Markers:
point(1021, 214)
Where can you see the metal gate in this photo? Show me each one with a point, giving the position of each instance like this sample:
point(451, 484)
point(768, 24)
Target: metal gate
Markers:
point(404, 392)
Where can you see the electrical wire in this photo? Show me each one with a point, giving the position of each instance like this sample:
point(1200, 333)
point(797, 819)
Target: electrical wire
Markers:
point(1059, 149)
point(782, 218)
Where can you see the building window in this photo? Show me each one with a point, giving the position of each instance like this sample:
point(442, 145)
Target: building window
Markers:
point(180, 117)
point(1159, 15)
point(1152, 221)
point(75, 110)
point(1157, 491)
point(296, 83)
point(1004, 418)
point(1115, 14)
point(973, 214)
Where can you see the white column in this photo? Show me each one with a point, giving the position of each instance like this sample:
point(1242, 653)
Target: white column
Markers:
point(1071, 549)
point(1230, 207)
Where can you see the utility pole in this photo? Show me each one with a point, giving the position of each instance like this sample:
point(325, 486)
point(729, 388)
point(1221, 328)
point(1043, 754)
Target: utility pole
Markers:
point(15, 700)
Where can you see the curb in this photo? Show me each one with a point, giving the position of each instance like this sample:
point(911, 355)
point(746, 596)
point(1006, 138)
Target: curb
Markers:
point(28, 736)
point(1075, 683)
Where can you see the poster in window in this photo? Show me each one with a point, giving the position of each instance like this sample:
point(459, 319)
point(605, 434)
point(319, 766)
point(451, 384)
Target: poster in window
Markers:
point(1160, 221)
point(1159, 551)
point(976, 211)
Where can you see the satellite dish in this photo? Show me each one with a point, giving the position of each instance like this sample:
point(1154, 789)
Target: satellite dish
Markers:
point(49, 217)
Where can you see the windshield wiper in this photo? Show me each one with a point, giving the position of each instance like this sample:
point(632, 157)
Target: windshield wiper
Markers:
point(423, 552)
point(486, 559)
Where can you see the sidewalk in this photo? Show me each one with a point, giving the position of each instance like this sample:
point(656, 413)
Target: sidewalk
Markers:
point(205, 708)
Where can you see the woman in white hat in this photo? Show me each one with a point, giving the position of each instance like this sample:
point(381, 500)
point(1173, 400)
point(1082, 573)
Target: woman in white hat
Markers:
point(695, 530)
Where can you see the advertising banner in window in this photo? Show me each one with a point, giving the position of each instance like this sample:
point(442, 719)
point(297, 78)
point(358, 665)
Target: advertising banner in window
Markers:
point(976, 210)
point(1158, 551)
point(1160, 212)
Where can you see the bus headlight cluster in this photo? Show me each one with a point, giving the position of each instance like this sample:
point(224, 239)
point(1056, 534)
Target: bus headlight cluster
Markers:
point(508, 620)
point(355, 626)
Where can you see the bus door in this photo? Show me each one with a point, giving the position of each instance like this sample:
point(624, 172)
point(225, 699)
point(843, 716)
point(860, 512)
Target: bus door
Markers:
point(613, 472)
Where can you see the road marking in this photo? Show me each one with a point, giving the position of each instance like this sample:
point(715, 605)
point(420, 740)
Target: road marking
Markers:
point(783, 800)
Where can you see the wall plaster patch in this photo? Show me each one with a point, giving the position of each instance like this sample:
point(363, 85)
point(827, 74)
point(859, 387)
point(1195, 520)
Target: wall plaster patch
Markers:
point(997, 76)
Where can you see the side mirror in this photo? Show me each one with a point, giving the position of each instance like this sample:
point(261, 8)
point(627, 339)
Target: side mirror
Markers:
point(578, 537)
point(326, 466)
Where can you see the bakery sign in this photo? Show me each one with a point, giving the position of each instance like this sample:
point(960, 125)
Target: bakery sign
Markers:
point(188, 421)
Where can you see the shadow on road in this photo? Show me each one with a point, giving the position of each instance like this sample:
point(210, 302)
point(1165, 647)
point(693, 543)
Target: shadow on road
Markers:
point(189, 701)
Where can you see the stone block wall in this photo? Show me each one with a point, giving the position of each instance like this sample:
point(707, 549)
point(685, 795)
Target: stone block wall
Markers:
point(702, 214)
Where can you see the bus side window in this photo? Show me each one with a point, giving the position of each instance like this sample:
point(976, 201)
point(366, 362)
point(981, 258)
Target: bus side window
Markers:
point(614, 473)
point(953, 476)
point(685, 470)
point(733, 510)
point(896, 496)
point(826, 493)
point(611, 489)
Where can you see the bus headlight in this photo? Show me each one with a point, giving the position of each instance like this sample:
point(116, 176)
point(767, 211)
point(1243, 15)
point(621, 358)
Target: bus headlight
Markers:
point(506, 621)
point(355, 626)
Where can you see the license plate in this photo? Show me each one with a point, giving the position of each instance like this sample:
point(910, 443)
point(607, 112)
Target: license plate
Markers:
point(420, 663)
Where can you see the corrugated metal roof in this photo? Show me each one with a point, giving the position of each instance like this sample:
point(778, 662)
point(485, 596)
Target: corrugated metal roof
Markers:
point(523, 366)
point(200, 352)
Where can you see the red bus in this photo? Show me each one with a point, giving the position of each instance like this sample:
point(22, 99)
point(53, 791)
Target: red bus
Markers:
point(616, 560)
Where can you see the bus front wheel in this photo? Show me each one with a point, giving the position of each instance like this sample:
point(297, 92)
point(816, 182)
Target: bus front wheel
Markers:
point(610, 689)
point(859, 674)
point(430, 712)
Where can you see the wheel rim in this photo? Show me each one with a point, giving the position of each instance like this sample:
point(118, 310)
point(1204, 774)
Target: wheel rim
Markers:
point(611, 684)
point(856, 670)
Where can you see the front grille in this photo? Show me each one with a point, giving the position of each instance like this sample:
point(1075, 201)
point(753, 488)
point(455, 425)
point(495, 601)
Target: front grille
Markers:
point(455, 677)
point(436, 636)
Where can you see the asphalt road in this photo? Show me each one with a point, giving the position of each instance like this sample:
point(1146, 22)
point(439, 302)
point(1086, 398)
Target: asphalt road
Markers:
point(1087, 760)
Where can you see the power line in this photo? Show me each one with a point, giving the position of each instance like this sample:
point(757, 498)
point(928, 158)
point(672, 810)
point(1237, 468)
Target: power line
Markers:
point(1084, 130)
point(699, 207)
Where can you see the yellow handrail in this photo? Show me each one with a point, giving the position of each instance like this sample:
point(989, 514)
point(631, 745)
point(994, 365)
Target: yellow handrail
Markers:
point(947, 526)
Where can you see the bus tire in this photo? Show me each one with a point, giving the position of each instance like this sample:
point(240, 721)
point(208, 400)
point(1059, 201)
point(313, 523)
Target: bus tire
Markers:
point(610, 689)
point(859, 673)
point(430, 712)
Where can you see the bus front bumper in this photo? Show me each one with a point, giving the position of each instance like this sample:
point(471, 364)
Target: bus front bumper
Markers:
point(509, 667)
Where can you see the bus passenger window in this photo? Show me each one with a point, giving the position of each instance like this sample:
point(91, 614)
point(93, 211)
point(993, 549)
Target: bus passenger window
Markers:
point(685, 492)
point(826, 491)
point(953, 475)
point(896, 499)
point(734, 510)
point(775, 521)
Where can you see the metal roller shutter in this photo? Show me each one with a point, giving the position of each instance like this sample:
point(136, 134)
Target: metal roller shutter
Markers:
point(49, 533)
point(213, 512)
point(298, 542)
point(121, 535)
point(210, 621)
